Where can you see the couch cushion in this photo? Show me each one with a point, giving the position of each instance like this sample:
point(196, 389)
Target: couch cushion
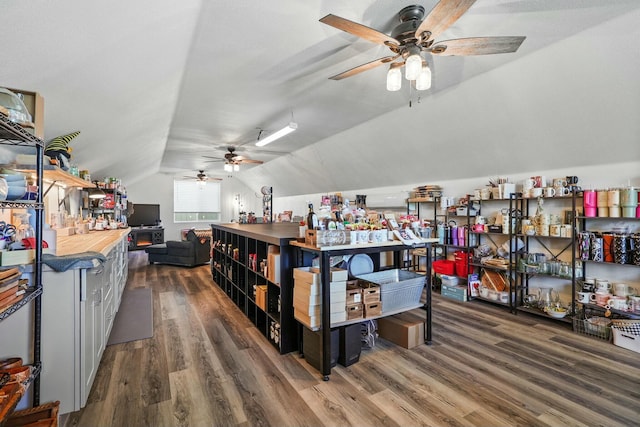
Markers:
point(180, 249)
point(156, 249)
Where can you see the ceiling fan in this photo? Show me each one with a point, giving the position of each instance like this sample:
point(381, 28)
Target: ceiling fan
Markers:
point(202, 177)
point(416, 35)
point(232, 161)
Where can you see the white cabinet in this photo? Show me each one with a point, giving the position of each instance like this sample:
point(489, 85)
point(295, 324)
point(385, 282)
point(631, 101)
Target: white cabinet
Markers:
point(92, 283)
point(78, 308)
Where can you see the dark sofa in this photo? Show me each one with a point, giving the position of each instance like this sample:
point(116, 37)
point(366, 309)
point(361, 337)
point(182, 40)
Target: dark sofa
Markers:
point(194, 250)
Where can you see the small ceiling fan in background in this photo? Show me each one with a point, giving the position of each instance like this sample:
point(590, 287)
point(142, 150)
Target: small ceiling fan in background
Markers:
point(202, 177)
point(232, 161)
point(414, 38)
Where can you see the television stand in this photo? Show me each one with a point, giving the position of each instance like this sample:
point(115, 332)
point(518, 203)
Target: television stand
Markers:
point(141, 237)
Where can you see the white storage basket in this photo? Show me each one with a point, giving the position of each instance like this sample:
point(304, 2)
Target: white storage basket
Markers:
point(398, 288)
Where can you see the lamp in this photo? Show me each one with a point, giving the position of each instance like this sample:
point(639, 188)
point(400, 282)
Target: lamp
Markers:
point(413, 63)
point(96, 193)
point(394, 77)
point(276, 135)
point(423, 82)
point(228, 167)
point(236, 167)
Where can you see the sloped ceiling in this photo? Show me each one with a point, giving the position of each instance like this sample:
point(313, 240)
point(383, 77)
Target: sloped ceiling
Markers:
point(155, 85)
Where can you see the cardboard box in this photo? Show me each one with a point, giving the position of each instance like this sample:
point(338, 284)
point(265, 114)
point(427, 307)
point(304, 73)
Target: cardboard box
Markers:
point(305, 295)
point(458, 293)
point(404, 329)
point(311, 275)
point(314, 322)
point(25, 256)
point(261, 297)
point(337, 289)
point(273, 264)
point(316, 310)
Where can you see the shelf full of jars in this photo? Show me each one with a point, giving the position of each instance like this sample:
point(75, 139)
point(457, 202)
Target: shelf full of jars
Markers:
point(106, 203)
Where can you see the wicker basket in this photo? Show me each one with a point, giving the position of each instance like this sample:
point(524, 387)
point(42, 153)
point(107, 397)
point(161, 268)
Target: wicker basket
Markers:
point(600, 329)
point(398, 288)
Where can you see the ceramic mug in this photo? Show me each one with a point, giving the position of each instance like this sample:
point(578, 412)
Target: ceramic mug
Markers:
point(535, 192)
point(572, 180)
point(618, 303)
point(377, 236)
point(559, 182)
point(528, 184)
point(623, 290)
point(585, 297)
point(549, 192)
point(562, 191)
point(363, 236)
point(603, 285)
point(555, 230)
point(602, 298)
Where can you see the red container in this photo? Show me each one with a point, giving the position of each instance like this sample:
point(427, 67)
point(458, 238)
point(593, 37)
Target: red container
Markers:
point(462, 264)
point(444, 266)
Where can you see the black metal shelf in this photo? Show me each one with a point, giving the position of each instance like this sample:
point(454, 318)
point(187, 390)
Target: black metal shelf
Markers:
point(29, 295)
point(15, 135)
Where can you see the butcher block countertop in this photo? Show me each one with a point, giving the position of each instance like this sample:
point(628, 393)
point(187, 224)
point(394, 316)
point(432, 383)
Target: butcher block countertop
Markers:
point(95, 241)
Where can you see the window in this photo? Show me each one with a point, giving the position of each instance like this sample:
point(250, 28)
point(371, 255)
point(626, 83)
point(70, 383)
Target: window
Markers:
point(196, 201)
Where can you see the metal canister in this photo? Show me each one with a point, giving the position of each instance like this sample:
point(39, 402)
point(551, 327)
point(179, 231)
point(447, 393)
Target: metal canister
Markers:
point(584, 245)
point(620, 248)
point(596, 248)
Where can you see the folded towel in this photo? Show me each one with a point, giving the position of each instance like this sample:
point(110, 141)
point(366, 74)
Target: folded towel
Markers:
point(66, 262)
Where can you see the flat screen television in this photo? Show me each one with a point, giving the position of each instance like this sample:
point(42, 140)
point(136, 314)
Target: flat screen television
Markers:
point(143, 214)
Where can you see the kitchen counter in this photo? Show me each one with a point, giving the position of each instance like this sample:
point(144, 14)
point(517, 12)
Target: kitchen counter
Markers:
point(94, 241)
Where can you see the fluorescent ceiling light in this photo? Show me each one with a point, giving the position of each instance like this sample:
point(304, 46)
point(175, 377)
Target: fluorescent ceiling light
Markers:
point(276, 135)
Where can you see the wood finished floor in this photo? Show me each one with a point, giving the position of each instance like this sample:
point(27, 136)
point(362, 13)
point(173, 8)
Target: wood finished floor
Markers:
point(206, 365)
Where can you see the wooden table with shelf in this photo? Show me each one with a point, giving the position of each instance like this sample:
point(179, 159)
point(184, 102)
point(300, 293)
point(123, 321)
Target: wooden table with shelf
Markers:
point(326, 252)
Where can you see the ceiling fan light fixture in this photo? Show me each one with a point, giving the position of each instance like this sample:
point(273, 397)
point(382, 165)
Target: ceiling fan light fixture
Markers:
point(277, 135)
point(394, 77)
point(413, 64)
point(228, 167)
point(423, 82)
point(236, 167)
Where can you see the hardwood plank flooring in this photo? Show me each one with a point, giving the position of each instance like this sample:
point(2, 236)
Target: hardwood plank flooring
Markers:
point(207, 365)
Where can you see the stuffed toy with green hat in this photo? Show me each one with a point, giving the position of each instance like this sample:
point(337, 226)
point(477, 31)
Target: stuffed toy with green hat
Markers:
point(58, 149)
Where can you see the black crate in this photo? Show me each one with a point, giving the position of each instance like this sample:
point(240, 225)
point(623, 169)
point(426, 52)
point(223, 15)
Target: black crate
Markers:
point(350, 344)
point(313, 351)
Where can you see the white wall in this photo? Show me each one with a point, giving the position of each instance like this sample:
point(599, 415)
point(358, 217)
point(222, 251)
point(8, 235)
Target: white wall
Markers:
point(158, 189)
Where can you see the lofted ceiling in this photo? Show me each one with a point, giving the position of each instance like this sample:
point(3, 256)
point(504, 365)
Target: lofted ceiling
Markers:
point(154, 86)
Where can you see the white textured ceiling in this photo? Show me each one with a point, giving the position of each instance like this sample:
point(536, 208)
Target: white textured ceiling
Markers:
point(155, 85)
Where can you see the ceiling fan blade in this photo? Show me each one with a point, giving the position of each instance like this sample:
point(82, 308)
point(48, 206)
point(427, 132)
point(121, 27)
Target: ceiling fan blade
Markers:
point(257, 162)
point(442, 16)
point(477, 46)
point(364, 67)
point(214, 158)
point(359, 30)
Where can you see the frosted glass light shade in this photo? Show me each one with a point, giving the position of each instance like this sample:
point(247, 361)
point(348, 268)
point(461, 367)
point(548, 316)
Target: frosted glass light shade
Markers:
point(423, 82)
point(228, 167)
point(412, 67)
point(394, 77)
